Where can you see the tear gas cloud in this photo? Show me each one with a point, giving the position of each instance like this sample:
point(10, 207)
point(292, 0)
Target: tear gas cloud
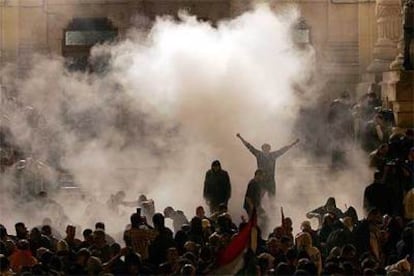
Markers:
point(171, 102)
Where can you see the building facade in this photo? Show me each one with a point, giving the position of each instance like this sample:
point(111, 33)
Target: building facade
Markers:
point(355, 40)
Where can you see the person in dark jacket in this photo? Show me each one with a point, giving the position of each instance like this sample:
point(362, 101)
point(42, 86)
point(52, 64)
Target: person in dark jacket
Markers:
point(328, 208)
point(377, 195)
point(164, 240)
point(365, 234)
point(217, 187)
point(254, 194)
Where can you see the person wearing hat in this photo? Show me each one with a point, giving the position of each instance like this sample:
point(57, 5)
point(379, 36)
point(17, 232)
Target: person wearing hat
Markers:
point(217, 187)
point(266, 161)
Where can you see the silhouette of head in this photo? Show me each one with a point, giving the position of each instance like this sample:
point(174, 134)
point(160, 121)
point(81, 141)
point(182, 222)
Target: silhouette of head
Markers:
point(266, 148)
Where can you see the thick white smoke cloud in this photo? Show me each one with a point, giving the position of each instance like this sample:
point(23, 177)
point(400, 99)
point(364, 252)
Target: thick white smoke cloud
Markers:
point(171, 103)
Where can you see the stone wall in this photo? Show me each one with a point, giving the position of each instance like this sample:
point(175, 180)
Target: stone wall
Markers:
point(342, 31)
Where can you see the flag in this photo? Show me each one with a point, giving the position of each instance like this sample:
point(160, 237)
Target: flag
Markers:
point(230, 258)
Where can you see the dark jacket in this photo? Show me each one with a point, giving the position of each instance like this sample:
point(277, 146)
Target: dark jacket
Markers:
point(254, 193)
point(217, 188)
point(377, 195)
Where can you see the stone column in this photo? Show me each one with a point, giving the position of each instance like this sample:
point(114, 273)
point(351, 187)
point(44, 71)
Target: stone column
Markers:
point(388, 14)
point(398, 83)
point(398, 95)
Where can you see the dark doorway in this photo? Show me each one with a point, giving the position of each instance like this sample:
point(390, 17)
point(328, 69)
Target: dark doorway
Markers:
point(80, 36)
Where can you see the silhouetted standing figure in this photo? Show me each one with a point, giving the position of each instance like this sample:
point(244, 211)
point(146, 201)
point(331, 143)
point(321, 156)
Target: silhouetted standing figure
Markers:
point(266, 161)
point(217, 187)
point(253, 198)
point(254, 194)
point(340, 123)
point(377, 195)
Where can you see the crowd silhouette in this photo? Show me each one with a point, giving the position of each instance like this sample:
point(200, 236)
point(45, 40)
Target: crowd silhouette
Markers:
point(377, 242)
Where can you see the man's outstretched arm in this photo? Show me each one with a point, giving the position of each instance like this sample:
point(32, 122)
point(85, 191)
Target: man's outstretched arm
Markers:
point(284, 149)
point(252, 149)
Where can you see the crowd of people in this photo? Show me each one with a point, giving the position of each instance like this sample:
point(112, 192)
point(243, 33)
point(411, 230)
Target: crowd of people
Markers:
point(378, 242)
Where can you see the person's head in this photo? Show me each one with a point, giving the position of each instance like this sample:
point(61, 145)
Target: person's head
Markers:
point(136, 220)
point(3, 232)
point(35, 234)
point(306, 226)
point(94, 266)
point(23, 244)
point(172, 255)
point(70, 231)
point(169, 211)
point(288, 223)
point(374, 216)
point(87, 234)
point(99, 237)
point(62, 247)
point(142, 198)
point(82, 256)
point(273, 246)
point(266, 148)
point(259, 175)
point(223, 223)
point(115, 248)
point(278, 232)
point(190, 246)
point(283, 269)
point(21, 230)
point(216, 166)
point(305, 267)
point(330, 203)
point(158, 220)
point(206, 224)
point(100, 225)
point(188, 269)
point(196, 225)
point(348, 252)
point(46, 230)
point(133, 263)
point(265, 261)
point(200, 212)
